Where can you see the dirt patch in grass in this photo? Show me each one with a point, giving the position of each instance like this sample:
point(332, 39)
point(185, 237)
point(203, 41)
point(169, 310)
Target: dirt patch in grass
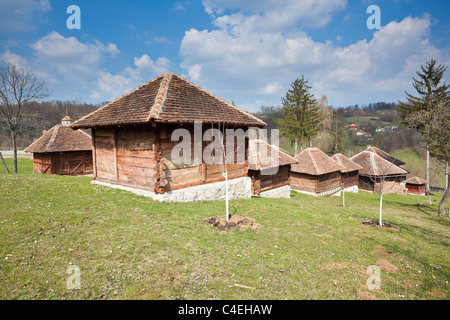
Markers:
point(436, 294)
point(235, 222)
point(387, 266)
point(364, 295)
point(402, 240)
point(386, 225)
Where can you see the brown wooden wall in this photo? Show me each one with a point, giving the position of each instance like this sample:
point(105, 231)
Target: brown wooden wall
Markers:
point(141, 156)
point(349, 179)
point(392, 184)
point(415, 188)
point(64, 163)
point(328, 181)
point(261, 182)
point(301, 181)
point(310, 183)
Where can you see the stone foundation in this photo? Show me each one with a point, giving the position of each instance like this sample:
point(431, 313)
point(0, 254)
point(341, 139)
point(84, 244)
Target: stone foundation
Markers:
point(353, 189)
point(239, 188)
point(281, 192)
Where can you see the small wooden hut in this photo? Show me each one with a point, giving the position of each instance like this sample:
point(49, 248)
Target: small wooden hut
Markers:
point(316, 173)
point(378, 173)
point(415, 185)
point(135, 135)
point(269, 167)
point(349, 173)
point(63, 151)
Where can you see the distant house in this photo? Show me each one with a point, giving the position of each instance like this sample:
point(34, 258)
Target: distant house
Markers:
point(378, 173)
point(379, 129)
point(368, 135)
point(415, 185)
point(133, 142)
point(315, 173)
point(62, 150)
point(360, 132)
point(353, 127)
point(349, 173)
point(270, 178)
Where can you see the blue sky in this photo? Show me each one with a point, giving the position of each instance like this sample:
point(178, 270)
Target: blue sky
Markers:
point(246, 51)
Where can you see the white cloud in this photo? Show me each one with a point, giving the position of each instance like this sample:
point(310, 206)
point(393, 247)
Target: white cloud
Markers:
point(71, 58)
point(109, 86)
point(20, 15)
point(276, 14)
point(240, 59)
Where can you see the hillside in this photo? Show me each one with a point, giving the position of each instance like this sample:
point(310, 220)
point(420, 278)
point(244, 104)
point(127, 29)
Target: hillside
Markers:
point(130, 247)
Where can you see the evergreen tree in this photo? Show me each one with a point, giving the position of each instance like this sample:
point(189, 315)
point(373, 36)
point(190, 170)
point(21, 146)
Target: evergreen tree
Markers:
point(431, 93)
point(301, 114)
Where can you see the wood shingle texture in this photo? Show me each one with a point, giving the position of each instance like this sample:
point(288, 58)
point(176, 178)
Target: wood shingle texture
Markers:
point(260, 155)
point(168, 98)
point(61, 138)
point(374, 165)
point(386, 156)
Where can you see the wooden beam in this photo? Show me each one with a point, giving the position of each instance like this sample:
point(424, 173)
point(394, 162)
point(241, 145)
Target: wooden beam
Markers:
point(94, 162)
point(116, 166)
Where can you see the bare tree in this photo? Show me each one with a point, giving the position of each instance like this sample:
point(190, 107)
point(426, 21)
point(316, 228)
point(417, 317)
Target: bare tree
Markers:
point(18, 86)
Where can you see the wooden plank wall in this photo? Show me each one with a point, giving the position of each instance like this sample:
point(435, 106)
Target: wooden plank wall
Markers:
point(350, 179)
point(42, 163)
point(300, 181)
point(328, 181)
point(191, 174)
point(135, 155)
point(261, 182)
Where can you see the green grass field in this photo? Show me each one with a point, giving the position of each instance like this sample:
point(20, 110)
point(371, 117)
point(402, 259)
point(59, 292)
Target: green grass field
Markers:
point(130, 247)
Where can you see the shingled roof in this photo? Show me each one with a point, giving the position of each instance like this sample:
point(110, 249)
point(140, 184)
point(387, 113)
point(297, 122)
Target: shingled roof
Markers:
point(260, 152)
point(416, 180)
point(345, 162)
point(314, 162)
point(374, 165)
point(168, 98)
point(386, 156)
point(61, 138)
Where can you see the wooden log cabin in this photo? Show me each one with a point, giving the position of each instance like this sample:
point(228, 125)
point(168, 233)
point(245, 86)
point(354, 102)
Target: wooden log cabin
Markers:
point(270, 176)
point(63, 151)
point(378, 174)
point(415, 185)
point(135, 135)
point(315, 173)
point(349, 173)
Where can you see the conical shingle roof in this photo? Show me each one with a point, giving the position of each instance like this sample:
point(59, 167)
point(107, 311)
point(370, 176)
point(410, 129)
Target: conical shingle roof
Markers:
point(168, 98)
point(348, 164)
point(314, 162)
point(260, 155)
point(374, 165)
point(61, 138)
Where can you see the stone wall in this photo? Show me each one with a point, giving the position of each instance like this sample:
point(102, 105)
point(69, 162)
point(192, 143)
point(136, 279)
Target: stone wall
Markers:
point(281, 192)
point(239, 188)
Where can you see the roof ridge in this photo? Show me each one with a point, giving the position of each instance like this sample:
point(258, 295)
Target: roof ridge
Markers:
point(123, 95)
point(220, 99)
point(52, 138)
point(160, 98)
point(313, 161)
point(25, 150)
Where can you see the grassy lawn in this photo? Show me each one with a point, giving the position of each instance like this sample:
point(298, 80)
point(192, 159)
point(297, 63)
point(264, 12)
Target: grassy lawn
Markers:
point(130, 247)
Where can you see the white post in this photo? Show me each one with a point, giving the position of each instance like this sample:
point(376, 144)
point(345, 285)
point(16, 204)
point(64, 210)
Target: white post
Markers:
point(381, 209)
point(343, 197)
point(226, 194)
